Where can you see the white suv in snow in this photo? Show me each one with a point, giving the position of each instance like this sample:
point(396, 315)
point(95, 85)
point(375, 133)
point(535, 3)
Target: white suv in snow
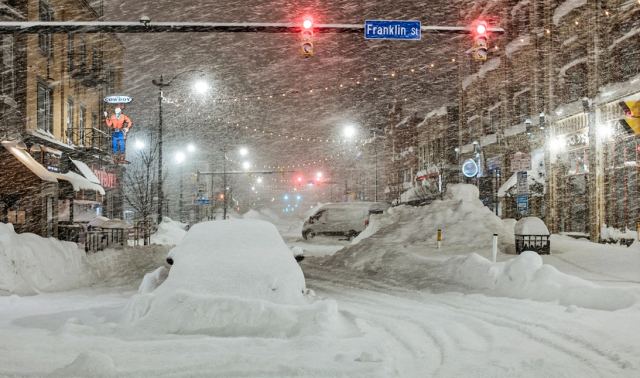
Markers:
point(341, 219)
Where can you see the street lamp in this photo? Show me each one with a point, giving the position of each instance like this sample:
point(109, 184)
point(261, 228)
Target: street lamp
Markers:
point(243, 151)
point(349, 131)
point(191, 148)
point(139, 144)
point(161, 84)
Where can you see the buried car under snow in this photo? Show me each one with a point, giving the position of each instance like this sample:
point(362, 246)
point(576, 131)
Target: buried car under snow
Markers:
point(341, 219)
point(229, 278)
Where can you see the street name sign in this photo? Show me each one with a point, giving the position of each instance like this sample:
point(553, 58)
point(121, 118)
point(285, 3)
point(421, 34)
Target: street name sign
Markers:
point(392, 29)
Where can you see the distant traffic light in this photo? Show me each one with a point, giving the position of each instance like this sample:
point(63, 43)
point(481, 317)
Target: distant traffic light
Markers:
point(306, 35)
point(480, 49)
point(631, 120)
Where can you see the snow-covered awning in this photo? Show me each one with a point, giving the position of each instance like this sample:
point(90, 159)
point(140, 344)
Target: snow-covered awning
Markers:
point(28, 161)
point(86, 171)
point(79, 182)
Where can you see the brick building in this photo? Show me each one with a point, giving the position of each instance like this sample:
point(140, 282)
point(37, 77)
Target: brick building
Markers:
point(60, 81)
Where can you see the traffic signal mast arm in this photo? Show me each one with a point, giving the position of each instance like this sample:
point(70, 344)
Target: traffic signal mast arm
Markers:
point(195, 27)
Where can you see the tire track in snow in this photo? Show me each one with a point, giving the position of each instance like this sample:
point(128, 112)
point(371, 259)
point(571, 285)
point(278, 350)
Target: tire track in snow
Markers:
point(552, 332)
point(564, 343)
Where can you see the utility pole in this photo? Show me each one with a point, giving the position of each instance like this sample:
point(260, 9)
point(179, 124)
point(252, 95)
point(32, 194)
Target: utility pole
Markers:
point(160, 84)
point(375, 153)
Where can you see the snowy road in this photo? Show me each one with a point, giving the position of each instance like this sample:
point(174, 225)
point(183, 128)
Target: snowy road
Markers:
point(386, 332)
point(452, 334)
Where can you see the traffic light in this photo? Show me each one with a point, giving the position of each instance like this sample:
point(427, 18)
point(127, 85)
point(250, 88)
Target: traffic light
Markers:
point(480, 49)
point(306, 34)
point(631, 120)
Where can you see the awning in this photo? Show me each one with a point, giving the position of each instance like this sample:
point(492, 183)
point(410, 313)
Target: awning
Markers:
point(86, 171)
point(79, 182)
point(28, 161)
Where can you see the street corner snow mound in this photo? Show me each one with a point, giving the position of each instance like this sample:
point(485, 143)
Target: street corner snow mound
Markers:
point(463, 192)
point(403, 236)
point(88, 364)
point(527, 277)
point(30, 264)
point(169, 232)
point(231, 278)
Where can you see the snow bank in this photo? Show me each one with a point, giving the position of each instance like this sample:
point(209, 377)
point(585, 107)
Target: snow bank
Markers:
point(231, 278)
point(526, 276)
point(169, 232)
point(402, 236)
point(30, 264)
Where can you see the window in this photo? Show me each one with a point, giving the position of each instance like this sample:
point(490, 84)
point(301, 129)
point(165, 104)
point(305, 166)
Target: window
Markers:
point(576, 82)
point(96, 62)
point(44, 39)
point(7, 74)
point(45, 116)
point(69, 121)
point(522, 105)
point(81, 125)
point(82, 55)
point(70, 52)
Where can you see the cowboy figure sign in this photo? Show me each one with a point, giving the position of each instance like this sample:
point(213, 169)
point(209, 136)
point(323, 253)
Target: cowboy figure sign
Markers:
point(120, 125)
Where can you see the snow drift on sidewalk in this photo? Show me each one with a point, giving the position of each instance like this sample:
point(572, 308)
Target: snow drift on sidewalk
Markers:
point(466, 224)
point(30, 264)
point(526, 276)
point(231, 278)
point(169, 232)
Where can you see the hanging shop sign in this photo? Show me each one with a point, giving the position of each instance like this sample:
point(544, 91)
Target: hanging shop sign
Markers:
point(520, 162)
point(494, 163)
point(118, 99)
point(523, 205)
point(470, 168)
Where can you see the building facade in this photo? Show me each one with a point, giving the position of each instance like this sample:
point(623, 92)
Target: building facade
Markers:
point(60, 82)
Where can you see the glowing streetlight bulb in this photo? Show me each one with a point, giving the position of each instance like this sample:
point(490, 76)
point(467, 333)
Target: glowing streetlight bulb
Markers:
point(243, 151)
point(191, 147)
point(201, 87)
point(180, 157)
point(259, 180)
point(246, 165)
point(139, 144)
point(318, 175)
point(349, 131)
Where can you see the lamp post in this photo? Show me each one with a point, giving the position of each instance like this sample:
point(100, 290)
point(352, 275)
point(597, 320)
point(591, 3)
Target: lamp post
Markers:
point(161, 84)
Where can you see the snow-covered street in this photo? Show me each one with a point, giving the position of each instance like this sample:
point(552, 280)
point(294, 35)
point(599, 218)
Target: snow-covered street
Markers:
point(387, 331)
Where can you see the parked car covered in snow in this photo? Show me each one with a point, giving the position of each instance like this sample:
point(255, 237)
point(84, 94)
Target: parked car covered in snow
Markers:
point(341, 219)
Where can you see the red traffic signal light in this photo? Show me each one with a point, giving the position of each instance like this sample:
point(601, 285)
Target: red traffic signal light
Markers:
point(480, 41)
point(307, 38)
point(481, 28)
point(307, 23)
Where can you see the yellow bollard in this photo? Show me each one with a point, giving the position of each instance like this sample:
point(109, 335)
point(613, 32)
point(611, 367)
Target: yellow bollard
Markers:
point(439, 237)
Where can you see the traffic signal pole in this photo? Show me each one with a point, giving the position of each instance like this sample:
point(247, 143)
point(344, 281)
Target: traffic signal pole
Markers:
point(147, 26)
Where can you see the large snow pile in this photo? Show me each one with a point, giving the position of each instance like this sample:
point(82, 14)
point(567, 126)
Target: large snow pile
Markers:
point(405, 233)
point(231, 278)
point(30, 264)
point(169, 232)
point(526, 276)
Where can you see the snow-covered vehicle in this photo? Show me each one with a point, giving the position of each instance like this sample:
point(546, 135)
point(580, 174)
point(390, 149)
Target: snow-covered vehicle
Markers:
point(341, 219)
